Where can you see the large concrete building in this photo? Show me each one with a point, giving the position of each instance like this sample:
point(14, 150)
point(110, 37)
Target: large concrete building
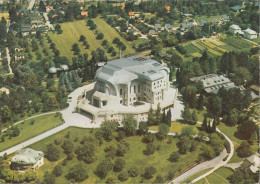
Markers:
point(128, 86)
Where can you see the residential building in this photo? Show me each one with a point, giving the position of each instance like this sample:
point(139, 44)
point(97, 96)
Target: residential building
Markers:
point(4, 90)
point(49, 8)
point(168, 27)
point(158, 27)
point(131, 14)
point(187, 16)
point(213, 82)
point(152, 32)
point(236, 8)
point(128, 86)
point(27, 158)
point(225, 18)
point(84, 13)
point(168, 8)
point(215, 21)
point(235, 29)
point(250, 34)
point(202, 22)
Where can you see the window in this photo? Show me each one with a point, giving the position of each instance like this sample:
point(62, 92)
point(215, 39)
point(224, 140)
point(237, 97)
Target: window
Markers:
point(121, 91)
point(104, 103)
point(134, 89)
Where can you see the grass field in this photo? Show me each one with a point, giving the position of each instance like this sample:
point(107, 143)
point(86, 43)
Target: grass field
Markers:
point(73, 30)
point(6, 16)
point(230, 132)
point(196, 175)
point(176, 127)
point(134, 156)
point(218, 177)
point(27, 131)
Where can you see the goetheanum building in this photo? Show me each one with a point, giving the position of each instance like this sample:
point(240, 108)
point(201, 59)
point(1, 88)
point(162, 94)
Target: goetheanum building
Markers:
point(128, 86)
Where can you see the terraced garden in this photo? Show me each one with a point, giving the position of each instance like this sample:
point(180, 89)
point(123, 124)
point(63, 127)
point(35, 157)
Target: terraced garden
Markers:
point(217, 46)
point(73, 30)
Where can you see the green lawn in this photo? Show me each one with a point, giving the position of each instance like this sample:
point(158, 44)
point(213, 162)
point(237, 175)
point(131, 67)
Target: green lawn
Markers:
point(27, 131)
point(196, 175)
point(134, 156)
point(73, 30)
point(177, 126)
point(230, 132)
point(219, 176)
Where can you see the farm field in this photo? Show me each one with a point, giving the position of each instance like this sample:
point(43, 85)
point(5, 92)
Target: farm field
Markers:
point(217, 46)
point(73, 30)
point(6, 16)
point(134, 156)
point(29, 130)
point(219, 176)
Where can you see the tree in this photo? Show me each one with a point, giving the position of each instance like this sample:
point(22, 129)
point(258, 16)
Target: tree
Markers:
point(87, 152)
point(143, 128)
point(77, 172)
point(109, 129)
point(122, 148)
point(5, 114)
point(149, 172)
point(49, 178)
point(151, 120)
point(216, 143)
point(174, 156)
point(133, 171)
point(188, 131)
point(123, 176)
point(185, 114)
point(232, 118)
point(100, 36)
point(116, 40)
point(67, 146)
point(207, 152)
point(244, 150)
point(16, 131)
point(82, 38)
point(150, 149)
point(129, 125)
point(112, 179)
point(104, 167)
point(184, 144)
point(245, 130)
point(169, 117)
point(163, 131)
point(104, 42)
point(119, 165)
point(52, 153)
point(57, 171)
point(158, 114)
point(111, 151)
point(194, 116)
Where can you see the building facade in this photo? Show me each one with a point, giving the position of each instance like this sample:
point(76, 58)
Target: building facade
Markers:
point(128, 86)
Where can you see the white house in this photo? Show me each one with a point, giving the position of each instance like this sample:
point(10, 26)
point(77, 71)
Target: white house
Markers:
point(250, 34)
point(128, 86)
point(4, 90)
point(234, 29)
point(27, 158)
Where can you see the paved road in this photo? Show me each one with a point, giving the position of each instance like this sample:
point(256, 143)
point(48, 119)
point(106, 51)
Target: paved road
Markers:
point(8, 62)
point(221, 163)
point(31, 5)
point(50, 26)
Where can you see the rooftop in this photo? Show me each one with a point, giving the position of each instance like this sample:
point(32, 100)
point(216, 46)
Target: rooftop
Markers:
point(234, 26)
point(27, 156)
point(250, 31)
point(237, 7)
point(121, 71)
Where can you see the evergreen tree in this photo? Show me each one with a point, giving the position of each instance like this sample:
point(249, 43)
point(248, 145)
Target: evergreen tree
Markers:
point(169, 117)
point(204, 123)
point(201, 102)
point(164, 119)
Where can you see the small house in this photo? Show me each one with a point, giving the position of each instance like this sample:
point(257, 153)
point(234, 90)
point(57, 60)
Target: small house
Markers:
point(187, 16)
point(158, 27)
point(168, 27)
point(84, 13)
point(131, 14)
point(49, 8)
point(236, 8)
point(234, 29)
point(250, 34)
point(167, 8)
point(225, 18)
point(215, 21)
point(4, 90)
point(202, 22)
point(27, 158)
point(152, 32)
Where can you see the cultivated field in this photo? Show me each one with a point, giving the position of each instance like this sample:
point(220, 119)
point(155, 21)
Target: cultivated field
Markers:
point(217, 46)
point(73, 30)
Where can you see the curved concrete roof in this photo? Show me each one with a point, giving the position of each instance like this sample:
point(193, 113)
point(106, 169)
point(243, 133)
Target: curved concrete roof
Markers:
point(64, 67)
point(52, 70)
point(27, 156)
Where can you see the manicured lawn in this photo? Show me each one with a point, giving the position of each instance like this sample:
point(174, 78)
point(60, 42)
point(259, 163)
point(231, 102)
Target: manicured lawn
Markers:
point(73, 30)
point(196, 175)
point(6, 16)
point(219, 176)
point(230, 132)
point(176, 127)
point(138, 41)
point(191, 48)
point(27, 131)
point(134, 156)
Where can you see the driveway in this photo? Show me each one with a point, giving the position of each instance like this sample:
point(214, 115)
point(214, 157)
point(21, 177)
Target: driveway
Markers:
point(50, 26)
point(176, 110)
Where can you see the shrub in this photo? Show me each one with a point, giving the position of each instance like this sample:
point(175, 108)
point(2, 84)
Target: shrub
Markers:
point(133, 171)
point(174, 156)
point(149, 172)
point(119, 165)
point(57, 171)
point(123, 176)
point(78, 173)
